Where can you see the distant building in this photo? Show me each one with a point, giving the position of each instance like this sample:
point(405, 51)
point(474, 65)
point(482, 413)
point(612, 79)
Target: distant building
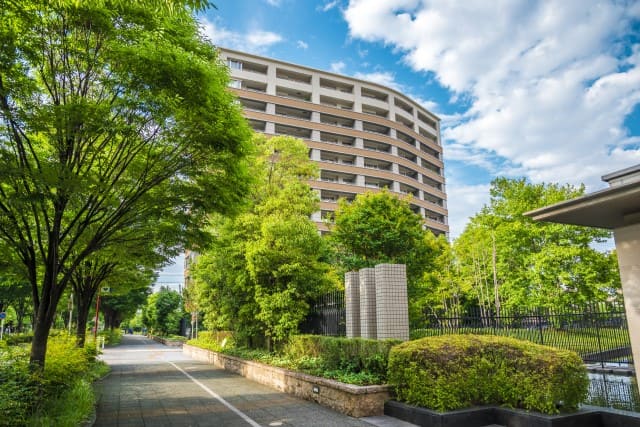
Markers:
point(362, 135)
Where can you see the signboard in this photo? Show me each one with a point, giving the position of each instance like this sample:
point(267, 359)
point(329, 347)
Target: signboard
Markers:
point(3, 315)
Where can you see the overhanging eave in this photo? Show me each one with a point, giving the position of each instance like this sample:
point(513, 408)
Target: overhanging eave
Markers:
point(610, 208)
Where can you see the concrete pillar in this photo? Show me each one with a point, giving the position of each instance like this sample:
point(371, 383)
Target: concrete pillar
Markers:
point(368, 303)
point(352, 303)
point(628, 248)
point(392, 305)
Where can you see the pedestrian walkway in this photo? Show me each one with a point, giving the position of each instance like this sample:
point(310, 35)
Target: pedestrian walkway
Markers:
point(154, 385)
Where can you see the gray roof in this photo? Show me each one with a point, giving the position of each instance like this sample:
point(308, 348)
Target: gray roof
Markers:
point(613, 207)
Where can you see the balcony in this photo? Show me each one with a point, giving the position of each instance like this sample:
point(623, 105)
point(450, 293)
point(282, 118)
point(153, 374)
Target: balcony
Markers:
point(328, 119)
point(335, 85)
point(366, 92)
point(293, 131)
point(337, 177)
point(333, 138)
point(340, 159)
point(377, 164)
point(376, 111)
point(375, 128)
point(296, 94)
point(336, 103)
point(430, 151)
point(406, 138)
point(250, 104)
point(376, 146)
point(296, 113)
point(403, 105)
point(243, 65)
point(427, 120)
point(407, 155)
point(257, 125)
point(293, 76)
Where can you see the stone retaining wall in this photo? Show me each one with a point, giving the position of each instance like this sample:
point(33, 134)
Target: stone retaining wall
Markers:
point(352, 400)
point(167, 342)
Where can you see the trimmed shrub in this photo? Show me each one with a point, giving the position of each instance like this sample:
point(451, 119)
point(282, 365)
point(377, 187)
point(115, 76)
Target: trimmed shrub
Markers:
point(458, 371)
point(349, 355)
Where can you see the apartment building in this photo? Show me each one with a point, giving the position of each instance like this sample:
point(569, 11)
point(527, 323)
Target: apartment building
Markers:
point(362, 135)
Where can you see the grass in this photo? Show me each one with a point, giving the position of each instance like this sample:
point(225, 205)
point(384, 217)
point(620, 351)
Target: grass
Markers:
point(582, 341)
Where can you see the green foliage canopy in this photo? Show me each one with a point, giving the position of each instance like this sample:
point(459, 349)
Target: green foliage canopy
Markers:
point(536, 264)
point(266, 264)
point(163, 312)
point(380, 228)
point(111, 112)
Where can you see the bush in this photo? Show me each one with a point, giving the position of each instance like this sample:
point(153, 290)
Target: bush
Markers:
point(67, 372)
point(214, 340)
point(111, 336)
point(18, 387)
point(348, 355)
point(458, 371)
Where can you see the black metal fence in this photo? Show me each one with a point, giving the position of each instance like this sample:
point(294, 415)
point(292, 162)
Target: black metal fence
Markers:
point(597, 332)
point(327, 316)
point(613, 391)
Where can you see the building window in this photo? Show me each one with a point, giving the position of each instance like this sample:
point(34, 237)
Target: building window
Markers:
point(237, 84)
point(234, 65)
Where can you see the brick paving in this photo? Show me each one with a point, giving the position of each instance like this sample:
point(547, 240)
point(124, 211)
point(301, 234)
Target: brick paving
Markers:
point(150, 385)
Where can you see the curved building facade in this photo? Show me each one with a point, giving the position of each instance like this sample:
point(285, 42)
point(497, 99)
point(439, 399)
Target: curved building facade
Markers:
point(362, 135)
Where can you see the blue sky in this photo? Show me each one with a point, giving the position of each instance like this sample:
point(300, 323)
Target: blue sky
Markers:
point(548, 90)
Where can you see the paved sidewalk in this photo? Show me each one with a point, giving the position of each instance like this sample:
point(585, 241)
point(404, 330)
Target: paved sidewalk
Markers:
point(154, 385)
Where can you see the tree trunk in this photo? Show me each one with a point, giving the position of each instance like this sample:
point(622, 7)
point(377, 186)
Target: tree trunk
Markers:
point(84, 302)
point(42, 326)
point(81, 327)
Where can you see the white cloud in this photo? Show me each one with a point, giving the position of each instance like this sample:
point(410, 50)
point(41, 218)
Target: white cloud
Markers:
point(383, 78)
point(253, 41)
point(329, 5)
point(302, 45)
point(549, 84)
point(468, 200)
point(338, 67)
point(263, 38)
point(275, 3)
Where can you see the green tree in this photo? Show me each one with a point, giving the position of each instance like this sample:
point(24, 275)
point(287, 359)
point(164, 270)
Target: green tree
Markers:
point(506, 259)
point(163, 312)
point(110, 112)
point(121, 306)
point(268, 263)
point(380, 228)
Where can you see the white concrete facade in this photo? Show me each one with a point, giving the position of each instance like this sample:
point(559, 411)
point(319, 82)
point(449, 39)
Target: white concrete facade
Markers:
point(628, 249)
point(362, 135)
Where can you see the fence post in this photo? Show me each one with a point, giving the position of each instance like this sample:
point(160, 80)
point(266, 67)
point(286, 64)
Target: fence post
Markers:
point(540, 325)
point(595, 324)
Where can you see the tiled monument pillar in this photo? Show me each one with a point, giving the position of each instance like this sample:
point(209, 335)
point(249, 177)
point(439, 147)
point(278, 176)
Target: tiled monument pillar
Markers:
point(368, 303)
point(352, 303)
point(392, 307)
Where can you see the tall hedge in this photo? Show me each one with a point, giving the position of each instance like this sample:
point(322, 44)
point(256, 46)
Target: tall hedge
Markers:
point(457, 371)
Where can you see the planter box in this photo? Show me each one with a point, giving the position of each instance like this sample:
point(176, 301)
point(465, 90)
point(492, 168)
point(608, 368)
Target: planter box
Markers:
point(478, 417)
point(352, 400)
